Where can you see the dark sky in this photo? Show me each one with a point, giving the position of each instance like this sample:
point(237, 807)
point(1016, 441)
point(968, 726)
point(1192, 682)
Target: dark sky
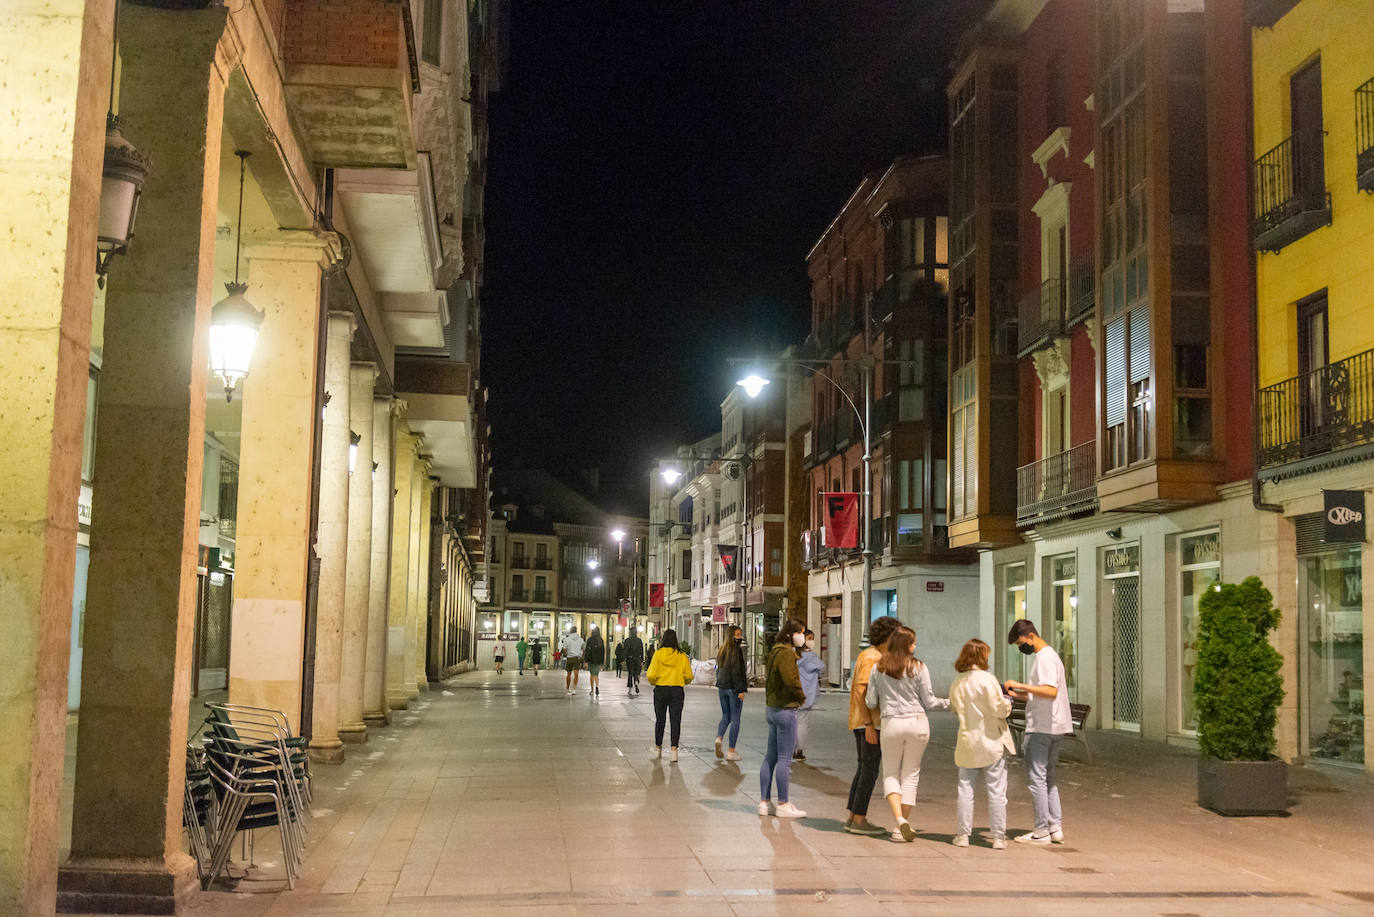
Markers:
point(658, 172)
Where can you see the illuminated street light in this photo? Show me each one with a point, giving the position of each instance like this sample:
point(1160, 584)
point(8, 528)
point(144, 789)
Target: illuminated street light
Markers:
point(597, 581)
point(618, 535)
point(353, 440)
point(670, 475)
point(593, 564)
point(752, 384)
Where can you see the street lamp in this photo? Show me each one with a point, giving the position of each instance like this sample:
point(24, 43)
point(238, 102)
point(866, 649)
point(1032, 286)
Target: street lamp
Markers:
point(593, 564)
point(121, 185)
point(753, 384)
point(233, 320)
point(670, 475)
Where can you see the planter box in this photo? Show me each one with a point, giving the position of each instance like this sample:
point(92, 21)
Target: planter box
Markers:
point(1242, 787)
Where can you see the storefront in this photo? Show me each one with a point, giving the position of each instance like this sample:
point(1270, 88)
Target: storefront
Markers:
point(1330, 645)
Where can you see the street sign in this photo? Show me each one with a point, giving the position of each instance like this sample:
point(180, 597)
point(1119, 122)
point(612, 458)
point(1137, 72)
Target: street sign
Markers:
point(935, 586)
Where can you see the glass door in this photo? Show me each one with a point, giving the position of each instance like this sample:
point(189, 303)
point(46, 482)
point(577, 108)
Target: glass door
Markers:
point(1064, 616)
point(1121, 587)
point(1331, 586)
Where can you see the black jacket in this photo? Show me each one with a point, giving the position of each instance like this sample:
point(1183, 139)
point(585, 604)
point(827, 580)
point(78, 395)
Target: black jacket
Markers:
point(634, 650)
point(730, 671)
point(595, 651)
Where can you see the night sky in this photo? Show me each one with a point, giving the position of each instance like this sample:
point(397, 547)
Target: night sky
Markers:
point(658, 172)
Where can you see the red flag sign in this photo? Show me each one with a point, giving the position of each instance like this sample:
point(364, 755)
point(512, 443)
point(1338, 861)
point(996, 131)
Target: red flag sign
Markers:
point(841, 520)
point(729, 559)
point(655, 595)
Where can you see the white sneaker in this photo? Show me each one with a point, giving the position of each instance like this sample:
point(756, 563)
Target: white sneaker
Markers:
point(908, 832)
point(960, 840)
point(764, 810)
point(787, 810)
point(720, 751)
point(1057, 835)
point(999, 843)
point(658, 752)
point(732, 755)
point(673, 756)
point(1035, 840)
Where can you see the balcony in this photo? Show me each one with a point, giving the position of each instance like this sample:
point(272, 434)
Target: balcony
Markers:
point(1263, 14)
point(1364, 137)
point(519, 595)
point(1304, 420)
point(1290, 194)
point(1082, 289)
point(825, 438)
point(1041, 316)
point(543, 563)
point(519, 562)
point(542, 596)
point(1057, 487)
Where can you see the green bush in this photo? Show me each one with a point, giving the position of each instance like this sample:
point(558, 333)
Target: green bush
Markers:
point(1237, 686)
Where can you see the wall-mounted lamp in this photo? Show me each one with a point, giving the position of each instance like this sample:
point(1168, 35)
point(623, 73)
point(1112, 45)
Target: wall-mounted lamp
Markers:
point(1114, 534)
point(353, 440)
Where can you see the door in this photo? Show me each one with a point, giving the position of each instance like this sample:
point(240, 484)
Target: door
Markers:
point(833, 650)
point(1309, 159)
point(1313, 378)
point(1125, 598)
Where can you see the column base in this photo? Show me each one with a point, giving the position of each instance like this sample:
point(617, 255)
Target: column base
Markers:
point(326, 751)
point(353, 733)
point(119, 886)
point(397, 701)
point(376, 720)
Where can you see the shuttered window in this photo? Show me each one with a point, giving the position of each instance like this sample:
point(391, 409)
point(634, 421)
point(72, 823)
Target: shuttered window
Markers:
point(1140, 345)
point(1116, 373)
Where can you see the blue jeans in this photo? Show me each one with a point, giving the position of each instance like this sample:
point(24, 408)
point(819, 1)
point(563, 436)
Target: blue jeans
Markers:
point(731, 709)
point(777, 763)
point(995, 776)
point(1042, 760)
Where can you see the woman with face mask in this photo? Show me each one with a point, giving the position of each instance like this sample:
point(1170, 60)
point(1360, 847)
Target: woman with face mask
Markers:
point(809, 666)
point(900, 689)
point(784, 695)
point(731, 684)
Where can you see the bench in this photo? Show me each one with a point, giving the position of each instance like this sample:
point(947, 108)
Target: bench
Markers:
point(1077, 712)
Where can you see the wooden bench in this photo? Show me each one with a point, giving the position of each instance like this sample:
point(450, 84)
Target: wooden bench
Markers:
point(1077, 712)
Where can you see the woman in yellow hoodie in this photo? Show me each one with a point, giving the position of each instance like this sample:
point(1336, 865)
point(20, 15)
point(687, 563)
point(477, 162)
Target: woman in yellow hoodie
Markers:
point(669, 672)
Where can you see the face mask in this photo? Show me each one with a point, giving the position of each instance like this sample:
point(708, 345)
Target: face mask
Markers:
point(811, 644)
point(739, 641)
point(1026, 648)
point(798, 639)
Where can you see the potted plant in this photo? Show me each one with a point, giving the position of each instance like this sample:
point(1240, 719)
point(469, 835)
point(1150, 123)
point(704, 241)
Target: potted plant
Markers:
point(1237, 691)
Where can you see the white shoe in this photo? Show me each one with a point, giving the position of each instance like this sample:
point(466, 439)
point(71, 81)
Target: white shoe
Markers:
point(658, 752)
point(999, 843)
point(720, 750)
point(787, 810)
point(908, 832)
point(960, 840)
point(732, 755)
point(673, 756)
point(764, 810)
point(1057, 835)
point(1033, 839)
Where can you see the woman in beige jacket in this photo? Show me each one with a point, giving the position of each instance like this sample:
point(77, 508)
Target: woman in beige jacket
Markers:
point(984, 741)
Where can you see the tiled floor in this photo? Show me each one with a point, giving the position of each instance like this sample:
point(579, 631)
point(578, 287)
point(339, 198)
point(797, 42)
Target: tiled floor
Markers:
point(502, 794)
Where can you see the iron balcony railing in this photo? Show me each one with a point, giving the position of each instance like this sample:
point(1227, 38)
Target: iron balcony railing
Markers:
point(519, 562)
point(1290, 192)
point(1082, 289)
point(519, 595)
point(1057, 486)
point(1323, 411)
point(544, 596)
point(1364, 136)
point(1041, 316)
point(543, 563)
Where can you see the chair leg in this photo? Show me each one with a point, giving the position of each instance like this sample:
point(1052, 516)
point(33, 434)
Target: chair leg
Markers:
point(233, 812)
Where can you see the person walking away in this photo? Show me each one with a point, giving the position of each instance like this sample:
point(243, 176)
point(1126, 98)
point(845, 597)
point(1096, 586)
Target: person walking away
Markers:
point(521, 648)
point(1048, 721)
point(536, 655)
point(595, 657)
point(983, 743)
point(634, 662)
point(809, 666)
point(572, 648)
point(499, 654)
point(865, 730)
point(670, 671)
point(900, 689)
point(619, 657)
point(732, 683)
point(783, 695)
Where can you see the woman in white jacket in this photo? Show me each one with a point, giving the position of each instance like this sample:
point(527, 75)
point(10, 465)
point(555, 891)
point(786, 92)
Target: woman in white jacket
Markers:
point(984, 741)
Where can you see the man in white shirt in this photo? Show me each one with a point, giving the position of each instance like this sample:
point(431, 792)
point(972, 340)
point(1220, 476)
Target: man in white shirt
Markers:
point(572, 647)
point(1048, 721)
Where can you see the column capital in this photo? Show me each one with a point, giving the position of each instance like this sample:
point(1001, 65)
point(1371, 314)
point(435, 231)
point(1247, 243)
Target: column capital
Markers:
point(322, 248)
point(338, 315)
point(399, 407)
point(362, 366)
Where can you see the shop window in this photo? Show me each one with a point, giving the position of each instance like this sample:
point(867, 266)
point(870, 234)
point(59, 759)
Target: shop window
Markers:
point(1013, 608)
point(1331, 586)
point(1199, 566)
point(1063, 617)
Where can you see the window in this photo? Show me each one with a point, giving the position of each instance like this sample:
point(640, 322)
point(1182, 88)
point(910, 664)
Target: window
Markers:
point(432, 29)
point(541, 551)
point(1199, 566)
point(1331, 662)
point(1309, 157)
point(911, 404)
point(1056, 109)
point(88, 438)
point(1012, 609)
point(775, 562)
point(1063, 623)
point(686, 565)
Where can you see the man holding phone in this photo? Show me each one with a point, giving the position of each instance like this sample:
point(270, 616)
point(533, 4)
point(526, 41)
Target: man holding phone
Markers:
point(1048, 721)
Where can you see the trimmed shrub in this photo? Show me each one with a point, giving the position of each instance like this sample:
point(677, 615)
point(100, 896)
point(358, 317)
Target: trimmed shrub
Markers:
point(1237, 686)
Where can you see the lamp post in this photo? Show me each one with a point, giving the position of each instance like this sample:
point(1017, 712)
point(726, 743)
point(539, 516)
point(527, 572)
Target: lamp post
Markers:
point(753, 384)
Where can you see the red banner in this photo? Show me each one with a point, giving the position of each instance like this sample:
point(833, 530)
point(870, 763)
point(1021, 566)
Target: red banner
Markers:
point(841, 520)
point(655, 595)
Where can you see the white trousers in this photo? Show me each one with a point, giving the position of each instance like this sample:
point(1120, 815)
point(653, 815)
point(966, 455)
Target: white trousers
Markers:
point(904, 740)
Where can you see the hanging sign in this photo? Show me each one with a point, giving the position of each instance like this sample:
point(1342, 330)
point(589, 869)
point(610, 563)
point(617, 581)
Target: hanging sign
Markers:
point(841, 520)
point(1344, 515)
point(706, 614)
point(729, 559)
point(655, 595)
point(720, 614)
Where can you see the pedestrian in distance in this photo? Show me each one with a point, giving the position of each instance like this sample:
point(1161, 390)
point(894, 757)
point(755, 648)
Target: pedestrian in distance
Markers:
point(1048, 721)
point(783, 695)
point(521, 649)
point(865, 729)
point(670, 671)
point(732, 683)
point(899, 688)
point(594, 655)
point(498, 655)
point(536, 655)
point(809, 666)
point(634, 662)
point(572, 648)
point(983, 744)
point(619, 657)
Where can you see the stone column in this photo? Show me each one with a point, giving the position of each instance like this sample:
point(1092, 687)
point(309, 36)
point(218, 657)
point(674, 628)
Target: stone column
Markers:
point(332, 541)
point(425, 619)
point(397, 689)
point(56, 58)
point(276, 462)
point(362, 378)
point(419, 483)
point(374, 675)
point(140, 601)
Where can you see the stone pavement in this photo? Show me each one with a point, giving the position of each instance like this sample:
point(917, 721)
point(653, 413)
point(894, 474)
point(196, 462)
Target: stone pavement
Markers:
point(499, 794)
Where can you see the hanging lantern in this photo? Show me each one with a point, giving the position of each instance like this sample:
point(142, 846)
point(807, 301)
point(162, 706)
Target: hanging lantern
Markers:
point(233, 320)
point(353, 440)
point(121, 185)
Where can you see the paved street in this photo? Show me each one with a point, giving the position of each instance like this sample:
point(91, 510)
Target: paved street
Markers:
point(500, 794)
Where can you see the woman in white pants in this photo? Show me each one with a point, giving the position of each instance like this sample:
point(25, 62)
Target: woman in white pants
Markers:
point(984, 741)
point(900, 690)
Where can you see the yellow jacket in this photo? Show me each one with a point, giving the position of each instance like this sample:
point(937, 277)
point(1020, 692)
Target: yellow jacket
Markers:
point(670, 668)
